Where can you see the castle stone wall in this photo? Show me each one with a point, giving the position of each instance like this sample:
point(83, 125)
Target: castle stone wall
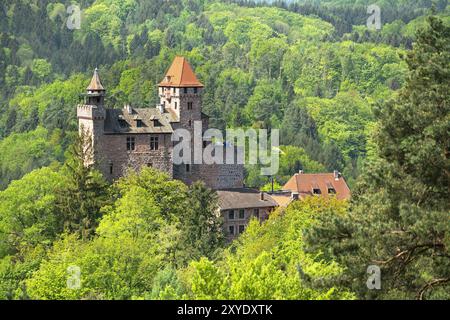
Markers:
point(112, 150)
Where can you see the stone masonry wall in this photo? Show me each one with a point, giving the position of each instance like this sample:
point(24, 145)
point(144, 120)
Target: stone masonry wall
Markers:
point(113, 150)
point(238, 221)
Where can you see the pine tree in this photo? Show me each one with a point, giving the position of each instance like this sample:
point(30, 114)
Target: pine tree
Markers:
point(202, 226)
point(84, 193)
point(399, 219)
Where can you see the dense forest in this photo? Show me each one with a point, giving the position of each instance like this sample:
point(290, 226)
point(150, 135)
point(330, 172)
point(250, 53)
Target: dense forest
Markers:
point(373, 104)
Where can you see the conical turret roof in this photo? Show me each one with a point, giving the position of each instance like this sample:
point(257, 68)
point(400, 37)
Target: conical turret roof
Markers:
point(96, 84)
point(180, 74)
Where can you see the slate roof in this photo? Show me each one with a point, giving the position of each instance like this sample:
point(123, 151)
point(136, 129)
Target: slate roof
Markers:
point(95, 84)
point(241, 198)
point(119, 121)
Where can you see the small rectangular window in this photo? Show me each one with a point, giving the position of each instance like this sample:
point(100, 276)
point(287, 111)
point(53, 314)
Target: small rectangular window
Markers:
point(241, 214)
point(176, 104)
point(188, 168)
point(154, 143)
point(111, 168)
point(130, 143)
point(195, 90)
point(139, 123)
point(185, 90)
point(231, 229)
point(231, 215)
point(241, 228)
point(189, 105)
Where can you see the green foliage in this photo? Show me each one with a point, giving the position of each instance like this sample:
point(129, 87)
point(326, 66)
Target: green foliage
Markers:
point(22, 152)
point(264, 261)
point(27, 211)
point(202, 232)
point(310, 69)
point(79, 200)
point(138, 244)
point(399, 216)
point(268, 187)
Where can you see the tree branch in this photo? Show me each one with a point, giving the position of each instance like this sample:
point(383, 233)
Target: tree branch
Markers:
point(421, 293)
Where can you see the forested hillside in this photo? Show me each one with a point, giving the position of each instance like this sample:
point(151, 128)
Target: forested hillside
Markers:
point(260, 66)
point(337, 91)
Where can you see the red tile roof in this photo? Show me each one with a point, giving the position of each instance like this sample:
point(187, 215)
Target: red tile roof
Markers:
point(304, 183)
point(180, 74)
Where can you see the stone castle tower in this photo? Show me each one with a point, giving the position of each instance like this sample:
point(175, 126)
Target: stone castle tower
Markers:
point(91, 116)
point(137, 137)
point(180, 93)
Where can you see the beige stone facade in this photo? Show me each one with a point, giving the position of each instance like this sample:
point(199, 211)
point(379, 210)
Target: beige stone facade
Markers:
point(235, 221)
point(239, 205)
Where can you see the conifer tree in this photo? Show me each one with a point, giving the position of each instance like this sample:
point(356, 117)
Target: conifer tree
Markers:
point(84, 193)
point(399, 219)
point(202, 231)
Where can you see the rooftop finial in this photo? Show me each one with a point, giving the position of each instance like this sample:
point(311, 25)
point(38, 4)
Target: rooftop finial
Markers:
point(96, 84)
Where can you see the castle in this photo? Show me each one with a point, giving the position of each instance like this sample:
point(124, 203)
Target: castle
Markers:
point(137, 137)
point(142, 137)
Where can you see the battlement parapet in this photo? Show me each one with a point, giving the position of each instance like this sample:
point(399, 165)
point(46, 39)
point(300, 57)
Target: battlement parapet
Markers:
point(91, 112)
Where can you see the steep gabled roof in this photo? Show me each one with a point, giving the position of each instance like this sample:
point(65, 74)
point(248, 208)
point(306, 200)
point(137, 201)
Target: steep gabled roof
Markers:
point(96, 84)
point(304, 183)
point(180, 74)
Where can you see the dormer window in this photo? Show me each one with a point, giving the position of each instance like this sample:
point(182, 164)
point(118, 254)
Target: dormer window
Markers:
point(315, 188)
point(156, 122)
point(330, 188)
point(139, 123)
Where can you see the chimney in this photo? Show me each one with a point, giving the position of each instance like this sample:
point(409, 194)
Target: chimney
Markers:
point(261, 195)
point(161, 108)
point(128, 109)
point(294, 195)
point(336, 174)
